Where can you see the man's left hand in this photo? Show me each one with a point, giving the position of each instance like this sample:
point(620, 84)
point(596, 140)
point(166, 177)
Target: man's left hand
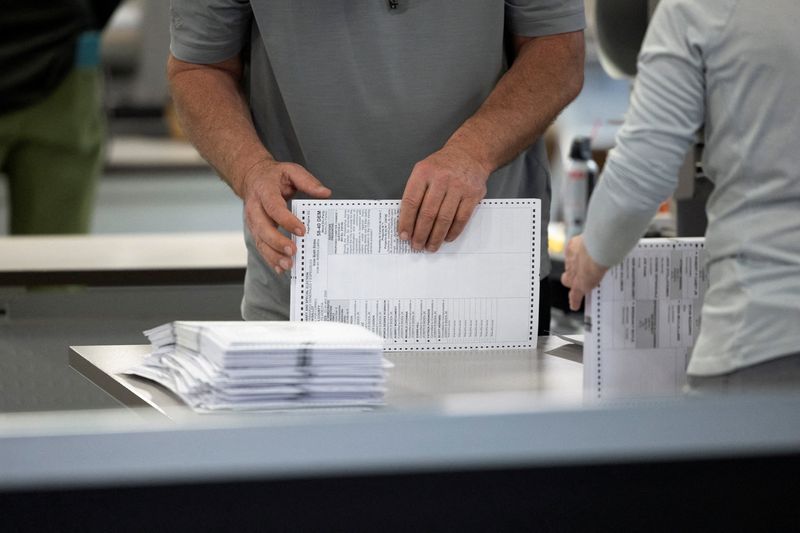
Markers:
point(439, 198)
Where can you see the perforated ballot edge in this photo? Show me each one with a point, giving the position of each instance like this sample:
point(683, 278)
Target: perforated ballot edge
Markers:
point(306, 271)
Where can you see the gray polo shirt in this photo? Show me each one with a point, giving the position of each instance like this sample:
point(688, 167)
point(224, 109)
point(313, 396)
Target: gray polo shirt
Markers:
point(732, 66)
point(358, 93)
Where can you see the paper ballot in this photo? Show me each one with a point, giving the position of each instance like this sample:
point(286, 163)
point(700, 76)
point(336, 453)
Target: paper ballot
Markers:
point(480, 291)
point(218, 366)
point(641, 322)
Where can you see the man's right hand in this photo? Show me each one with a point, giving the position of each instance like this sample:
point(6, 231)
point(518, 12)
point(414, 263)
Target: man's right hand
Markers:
point(216, 118)
point(265, 190)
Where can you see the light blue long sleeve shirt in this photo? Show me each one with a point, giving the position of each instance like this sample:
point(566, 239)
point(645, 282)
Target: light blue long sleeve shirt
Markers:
point(731, 67)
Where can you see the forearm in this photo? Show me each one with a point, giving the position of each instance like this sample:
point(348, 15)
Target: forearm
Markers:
point(546, 75)
point(667, 109)
point(215, 117)
point(615, 222)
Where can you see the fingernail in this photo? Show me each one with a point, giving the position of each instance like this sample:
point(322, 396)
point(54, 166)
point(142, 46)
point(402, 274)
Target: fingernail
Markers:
point(288, 250)
point(298, 232)
point(432, 248)
point(285, 264)
point(404, 236)
point(278, 270)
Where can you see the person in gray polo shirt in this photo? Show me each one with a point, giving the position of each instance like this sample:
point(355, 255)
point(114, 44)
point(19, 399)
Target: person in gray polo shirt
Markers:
point(438, 102)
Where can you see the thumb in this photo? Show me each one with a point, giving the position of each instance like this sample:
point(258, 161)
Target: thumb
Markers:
point(305, 182)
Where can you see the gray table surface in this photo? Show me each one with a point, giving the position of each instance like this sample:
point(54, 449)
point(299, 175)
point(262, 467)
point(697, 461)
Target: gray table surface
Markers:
point(446, 411)
point(130, 259)
point(424, 379)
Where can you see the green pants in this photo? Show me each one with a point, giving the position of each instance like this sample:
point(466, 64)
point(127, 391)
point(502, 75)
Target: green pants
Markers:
point(51, 153)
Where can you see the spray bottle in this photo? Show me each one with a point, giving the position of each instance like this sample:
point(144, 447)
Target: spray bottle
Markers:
point(581, 174)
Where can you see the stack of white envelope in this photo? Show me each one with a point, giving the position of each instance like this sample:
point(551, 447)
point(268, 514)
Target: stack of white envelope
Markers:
point(217, 366)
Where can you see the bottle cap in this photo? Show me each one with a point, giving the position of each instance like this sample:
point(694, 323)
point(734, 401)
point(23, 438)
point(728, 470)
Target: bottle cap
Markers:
point(581, 149)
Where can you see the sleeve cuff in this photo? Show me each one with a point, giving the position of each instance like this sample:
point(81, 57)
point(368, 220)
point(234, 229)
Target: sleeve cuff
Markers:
point(203, 54)
point(612, 229)
point(564, 23)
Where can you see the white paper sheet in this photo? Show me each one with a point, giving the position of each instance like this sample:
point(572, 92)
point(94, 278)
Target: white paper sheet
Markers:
point(480, 291)
point(267, 365)
point(641, 322)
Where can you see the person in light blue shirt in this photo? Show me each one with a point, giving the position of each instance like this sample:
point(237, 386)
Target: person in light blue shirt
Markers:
point(732, 68)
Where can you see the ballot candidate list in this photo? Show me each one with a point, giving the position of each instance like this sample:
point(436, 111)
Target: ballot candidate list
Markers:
point(478, 291)
point(654, 297)
point(643, 319)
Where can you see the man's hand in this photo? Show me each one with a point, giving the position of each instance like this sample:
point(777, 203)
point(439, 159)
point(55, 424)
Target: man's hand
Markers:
point(443, 189)
point(216, 118)
point(440, 196)
point(581, 273)
point(265, 189)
